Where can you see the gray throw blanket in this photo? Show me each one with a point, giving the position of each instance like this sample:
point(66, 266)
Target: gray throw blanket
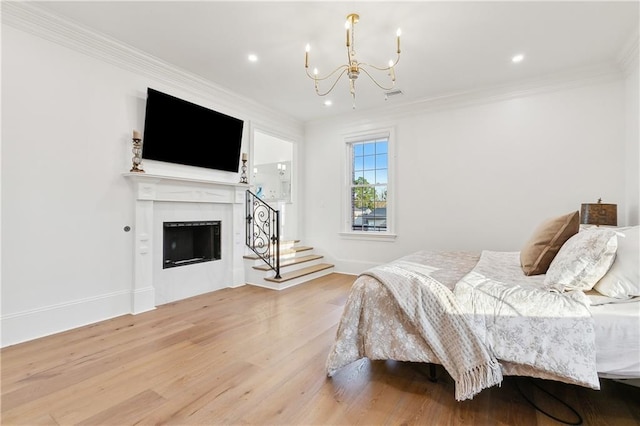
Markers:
point(433, 310)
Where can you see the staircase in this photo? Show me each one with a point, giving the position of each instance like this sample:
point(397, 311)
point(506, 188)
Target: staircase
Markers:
point(298, 264)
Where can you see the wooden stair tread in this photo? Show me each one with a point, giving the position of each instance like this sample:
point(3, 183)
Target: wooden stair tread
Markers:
point(291, 250)
point(290, 262)
point(300, 273)
point(285, 242)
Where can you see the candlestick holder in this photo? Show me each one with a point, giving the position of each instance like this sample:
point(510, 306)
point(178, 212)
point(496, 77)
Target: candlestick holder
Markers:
point(243, 176)
point(137, 156)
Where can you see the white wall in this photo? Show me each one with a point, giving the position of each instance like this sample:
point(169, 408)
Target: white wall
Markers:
point(475, 177)
point(632, 166)
point(67, 121)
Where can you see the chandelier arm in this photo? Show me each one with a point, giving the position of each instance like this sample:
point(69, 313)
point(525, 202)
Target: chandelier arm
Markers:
point(316, 78)
point(379, 68)
point(332, 86)
point(393, 83)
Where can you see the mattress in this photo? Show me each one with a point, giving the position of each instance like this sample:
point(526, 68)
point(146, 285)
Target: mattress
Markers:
point(617, 328)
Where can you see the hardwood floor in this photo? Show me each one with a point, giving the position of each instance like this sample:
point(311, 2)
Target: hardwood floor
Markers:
point(255, 356)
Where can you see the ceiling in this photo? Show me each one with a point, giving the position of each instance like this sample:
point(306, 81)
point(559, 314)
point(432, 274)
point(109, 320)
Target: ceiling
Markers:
point(447, 47)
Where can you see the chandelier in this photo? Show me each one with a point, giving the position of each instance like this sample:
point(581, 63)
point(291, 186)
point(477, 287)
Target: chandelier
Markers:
point(353, 68)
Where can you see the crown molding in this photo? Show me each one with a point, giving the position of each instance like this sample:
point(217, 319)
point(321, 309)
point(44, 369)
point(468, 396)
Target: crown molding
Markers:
point(566, 80)
point(46, 25)
point(627, 57)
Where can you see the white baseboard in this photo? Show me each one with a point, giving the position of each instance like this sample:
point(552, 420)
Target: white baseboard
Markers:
point(28, 325)
point(351, 267)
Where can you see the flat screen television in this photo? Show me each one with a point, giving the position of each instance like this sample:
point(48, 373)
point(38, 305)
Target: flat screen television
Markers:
point(181, 132)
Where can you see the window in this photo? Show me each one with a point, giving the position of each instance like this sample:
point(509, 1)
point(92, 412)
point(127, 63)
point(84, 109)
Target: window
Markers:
point(368, 203)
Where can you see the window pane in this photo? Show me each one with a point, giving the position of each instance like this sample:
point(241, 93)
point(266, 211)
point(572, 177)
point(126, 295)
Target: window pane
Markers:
point(381, 147)
point(364, 198)
point(370, 176)
point(379, 222)
point(381, 176)
point(356, 218)
point(358, 198)
point(369, 162)
point(358, 163)
point(369, 148)
point(381, 161)
point(381, 196)
point(357, 149)
point(358, 178)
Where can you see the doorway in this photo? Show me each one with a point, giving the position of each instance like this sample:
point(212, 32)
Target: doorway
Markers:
point(272, 176)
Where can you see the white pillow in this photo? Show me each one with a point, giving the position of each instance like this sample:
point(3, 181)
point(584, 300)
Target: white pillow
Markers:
point(623, 279)
point(582, 260)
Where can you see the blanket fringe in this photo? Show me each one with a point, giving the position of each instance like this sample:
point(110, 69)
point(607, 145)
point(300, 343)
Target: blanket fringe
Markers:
point(480, 377)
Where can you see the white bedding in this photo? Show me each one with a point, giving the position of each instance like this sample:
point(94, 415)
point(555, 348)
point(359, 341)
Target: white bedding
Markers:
point(370, 329)
point(552, 333)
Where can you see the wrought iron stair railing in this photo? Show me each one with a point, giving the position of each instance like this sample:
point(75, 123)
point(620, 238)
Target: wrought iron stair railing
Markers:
point(263, 231)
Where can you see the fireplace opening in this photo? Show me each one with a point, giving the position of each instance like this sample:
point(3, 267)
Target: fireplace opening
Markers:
point(186, 243)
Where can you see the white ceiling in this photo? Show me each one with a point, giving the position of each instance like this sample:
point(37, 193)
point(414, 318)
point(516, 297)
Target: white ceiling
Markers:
point(447, 47)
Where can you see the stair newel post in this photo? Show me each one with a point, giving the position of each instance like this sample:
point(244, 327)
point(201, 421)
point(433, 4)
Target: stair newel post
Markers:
point(276, 241)
point(249, 210)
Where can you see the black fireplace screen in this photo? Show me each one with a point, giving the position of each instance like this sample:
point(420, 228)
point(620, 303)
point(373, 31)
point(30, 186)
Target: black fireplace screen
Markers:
point(185, 243)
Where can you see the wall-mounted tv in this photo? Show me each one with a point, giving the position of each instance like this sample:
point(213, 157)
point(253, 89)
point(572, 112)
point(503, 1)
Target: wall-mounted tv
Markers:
point(180, 132)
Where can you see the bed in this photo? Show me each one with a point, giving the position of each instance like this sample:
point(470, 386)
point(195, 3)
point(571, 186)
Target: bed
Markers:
point(489, 314)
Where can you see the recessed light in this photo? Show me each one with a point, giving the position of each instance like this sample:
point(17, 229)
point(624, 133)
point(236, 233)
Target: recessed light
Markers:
point(517, 58)
point(252, 57)
point(328, 102)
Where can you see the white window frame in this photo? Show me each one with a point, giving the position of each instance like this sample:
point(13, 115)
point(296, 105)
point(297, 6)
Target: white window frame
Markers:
point(365, 136)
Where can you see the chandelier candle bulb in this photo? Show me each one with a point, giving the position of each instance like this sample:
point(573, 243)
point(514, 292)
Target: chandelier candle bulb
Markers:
point(306, 55)
point(244, 156)
point(398, 33)
point(346, 27)
point(136, 134)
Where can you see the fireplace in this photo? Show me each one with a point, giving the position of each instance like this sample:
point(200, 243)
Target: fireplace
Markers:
point(186, 243)
point(160, 199)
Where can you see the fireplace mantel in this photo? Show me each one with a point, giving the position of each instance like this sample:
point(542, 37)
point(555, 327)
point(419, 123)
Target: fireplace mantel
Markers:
point(149, 189)
point(173, 188)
